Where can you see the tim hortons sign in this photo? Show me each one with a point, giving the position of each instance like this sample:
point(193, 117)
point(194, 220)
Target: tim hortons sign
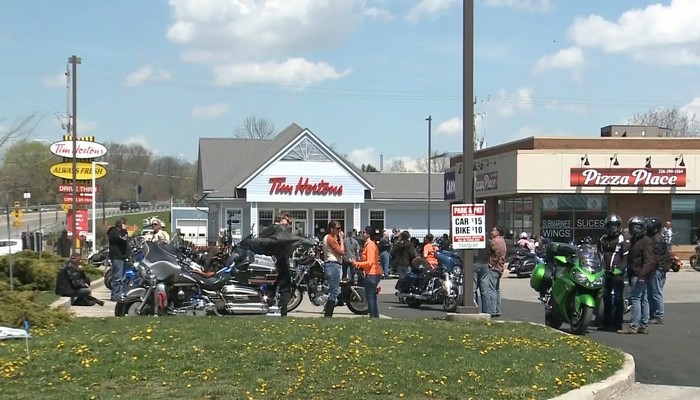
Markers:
point(83, 149)
point(641, 177)
point(279, 185)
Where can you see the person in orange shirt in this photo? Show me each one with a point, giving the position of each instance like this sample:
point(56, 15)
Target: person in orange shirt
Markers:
point(429, 250)
point(373, 271)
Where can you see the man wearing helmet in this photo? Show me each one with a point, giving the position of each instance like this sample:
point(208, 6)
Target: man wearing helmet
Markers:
point(525, 243)
point(657, 278)
point(614, 248)
point(641, 262)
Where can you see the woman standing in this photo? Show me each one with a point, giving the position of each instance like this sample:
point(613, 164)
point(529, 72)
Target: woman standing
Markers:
point(333, 251)
point(373, 271)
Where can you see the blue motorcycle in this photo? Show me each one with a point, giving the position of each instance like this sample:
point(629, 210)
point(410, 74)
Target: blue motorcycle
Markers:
point(439, 285)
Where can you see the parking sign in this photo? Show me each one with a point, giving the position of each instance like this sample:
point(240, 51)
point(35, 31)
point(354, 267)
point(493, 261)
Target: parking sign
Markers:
point(468, 226)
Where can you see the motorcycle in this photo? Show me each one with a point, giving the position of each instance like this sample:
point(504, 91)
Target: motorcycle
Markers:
point(100, 258)
point(173, 286)
point(308, 277)
point(425, 285)
point(695, 258)
point(522, 262)
point(570, 284)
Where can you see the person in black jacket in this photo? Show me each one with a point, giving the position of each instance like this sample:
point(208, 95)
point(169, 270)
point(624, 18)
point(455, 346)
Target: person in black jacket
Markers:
point(72, 282)
point(281, 251)
point(657, 278)
point(614, 248)
point(641, 262)
point(118, 239)
point(402, 254)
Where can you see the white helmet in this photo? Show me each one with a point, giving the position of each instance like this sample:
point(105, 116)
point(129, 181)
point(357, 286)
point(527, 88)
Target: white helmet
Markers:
point(523, 235)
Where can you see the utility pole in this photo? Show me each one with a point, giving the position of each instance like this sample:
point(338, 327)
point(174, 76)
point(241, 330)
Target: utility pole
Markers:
point(468, 306)
point(74, 61)
point(430, 123)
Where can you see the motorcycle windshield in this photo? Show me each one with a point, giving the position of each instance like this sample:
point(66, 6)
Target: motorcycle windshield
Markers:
point(588, 258)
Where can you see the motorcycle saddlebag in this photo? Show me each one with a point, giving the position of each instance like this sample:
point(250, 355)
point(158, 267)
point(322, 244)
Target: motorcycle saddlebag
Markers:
point(541, 278)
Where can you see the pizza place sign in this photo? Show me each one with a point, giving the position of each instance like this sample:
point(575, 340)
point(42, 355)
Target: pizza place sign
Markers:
point(632, 177)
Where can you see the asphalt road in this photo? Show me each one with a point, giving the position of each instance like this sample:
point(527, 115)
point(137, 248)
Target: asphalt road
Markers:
point(669, 355)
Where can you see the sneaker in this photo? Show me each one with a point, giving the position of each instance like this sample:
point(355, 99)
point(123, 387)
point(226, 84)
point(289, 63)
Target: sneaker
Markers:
point(643, 331)
point(627, 330)
point(656, 321)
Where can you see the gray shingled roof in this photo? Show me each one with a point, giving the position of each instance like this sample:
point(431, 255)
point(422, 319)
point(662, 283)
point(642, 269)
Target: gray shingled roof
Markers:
point(405, 185)
point(227, 162)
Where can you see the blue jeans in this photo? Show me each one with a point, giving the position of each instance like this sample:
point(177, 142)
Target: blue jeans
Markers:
point(333, 271)
point(639, 302)
point(370, 283)
point(118, 277)
point(480, 271)
point(655, 290)
point(385, 262)
point(490, 293)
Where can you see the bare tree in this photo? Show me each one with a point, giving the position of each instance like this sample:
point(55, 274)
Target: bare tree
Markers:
point(398, 166)
point(438, 163)
point(19, 131)
point(680, 123)
point(255, 128)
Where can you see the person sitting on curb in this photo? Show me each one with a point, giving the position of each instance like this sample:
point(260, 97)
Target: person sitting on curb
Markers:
point(72, 282)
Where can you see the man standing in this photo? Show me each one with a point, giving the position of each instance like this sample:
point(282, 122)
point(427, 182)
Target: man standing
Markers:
point(158, 235)
point(352, 251)
point(657, 278)
point(283, 282)
point(667, 234)
point(641, 262)
point(614, 248)
point(491, 284)
point(384, 253)
point(118, 238)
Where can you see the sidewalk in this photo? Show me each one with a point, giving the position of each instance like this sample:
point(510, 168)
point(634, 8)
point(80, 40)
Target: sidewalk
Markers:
point(659, 392)
point(305, 309)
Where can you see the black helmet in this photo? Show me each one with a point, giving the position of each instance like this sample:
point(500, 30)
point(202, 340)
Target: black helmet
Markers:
point(653, 225)
point(613, 224)
point(637, 226)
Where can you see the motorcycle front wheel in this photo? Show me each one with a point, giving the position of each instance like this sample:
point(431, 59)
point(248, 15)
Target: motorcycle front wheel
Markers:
point(129, 309)
point(357, 303)
point(581, 321)
point(450, 303)
point(295, 301)
point(695, 262)
point(108, 278)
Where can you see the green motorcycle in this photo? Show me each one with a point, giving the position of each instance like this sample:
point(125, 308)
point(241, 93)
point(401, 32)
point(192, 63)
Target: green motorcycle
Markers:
point(570, 284)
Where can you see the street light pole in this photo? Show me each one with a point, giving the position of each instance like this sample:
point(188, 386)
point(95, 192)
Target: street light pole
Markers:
point(430, 122)
point(74, 204)
point(94, 200)
point(468, 306)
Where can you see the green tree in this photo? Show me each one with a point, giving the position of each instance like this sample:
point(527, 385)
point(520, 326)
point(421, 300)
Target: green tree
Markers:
point(25, 169)
point(368, 168)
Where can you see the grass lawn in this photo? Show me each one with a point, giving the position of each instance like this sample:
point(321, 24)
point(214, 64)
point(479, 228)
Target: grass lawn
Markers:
point(267, 358)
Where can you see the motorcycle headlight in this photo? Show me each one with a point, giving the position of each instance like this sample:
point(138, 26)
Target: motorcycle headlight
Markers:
point(457, 271)
point(583, 280)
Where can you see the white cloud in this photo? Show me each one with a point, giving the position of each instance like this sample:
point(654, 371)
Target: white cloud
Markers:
point(146, 74)
point(58, 80)
point(411, 164)
point(364, 156)
point(428, 8)
point(294, 71)
point(140, 140)
point(692, 108)
point(209, 111)
point(569, 58)
point(379, 14)
point(451, 127)
point(662, 34)
point(506, 104)
point(528, 5)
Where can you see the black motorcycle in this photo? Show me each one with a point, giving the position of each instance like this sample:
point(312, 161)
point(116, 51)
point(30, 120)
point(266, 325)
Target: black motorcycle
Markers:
point(695, 258)
point(522, 262)
point(440, 285)
point(308, 277)
point(172, 286)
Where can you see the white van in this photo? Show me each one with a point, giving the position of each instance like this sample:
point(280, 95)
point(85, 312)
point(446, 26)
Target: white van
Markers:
point(14, 245)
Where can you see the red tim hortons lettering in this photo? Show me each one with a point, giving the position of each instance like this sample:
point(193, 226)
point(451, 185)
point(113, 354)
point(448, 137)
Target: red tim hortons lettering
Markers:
point(278, 185)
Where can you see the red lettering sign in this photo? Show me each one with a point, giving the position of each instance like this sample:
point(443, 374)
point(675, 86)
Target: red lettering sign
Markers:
point(80, 188)
point(279, 185)
point(640, 177)
point(81, 222)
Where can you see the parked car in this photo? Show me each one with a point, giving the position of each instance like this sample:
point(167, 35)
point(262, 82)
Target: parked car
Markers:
point(12, 245)
point(129, 206)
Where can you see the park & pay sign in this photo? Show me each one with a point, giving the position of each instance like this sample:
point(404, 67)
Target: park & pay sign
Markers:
point(468, 226)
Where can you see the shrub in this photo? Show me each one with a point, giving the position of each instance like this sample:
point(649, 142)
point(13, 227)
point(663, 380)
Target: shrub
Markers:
point(29, 271)
point(18, 305)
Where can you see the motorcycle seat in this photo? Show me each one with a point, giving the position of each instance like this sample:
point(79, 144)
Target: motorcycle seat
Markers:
point(214, 283)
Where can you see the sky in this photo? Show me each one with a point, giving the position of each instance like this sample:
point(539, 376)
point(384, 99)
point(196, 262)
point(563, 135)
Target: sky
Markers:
point(362, 75)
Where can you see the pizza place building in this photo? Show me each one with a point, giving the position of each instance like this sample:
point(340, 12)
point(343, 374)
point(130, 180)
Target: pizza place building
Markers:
point(563, 188)
point(246, 182)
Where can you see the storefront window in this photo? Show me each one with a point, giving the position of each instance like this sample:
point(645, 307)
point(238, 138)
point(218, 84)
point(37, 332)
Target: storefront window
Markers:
point(376, 220)
point(233, 221)
point(298, 221)
point(685, 217)
point(265, 219)
point(323, 217)
point(515, 217)
point(569, 218)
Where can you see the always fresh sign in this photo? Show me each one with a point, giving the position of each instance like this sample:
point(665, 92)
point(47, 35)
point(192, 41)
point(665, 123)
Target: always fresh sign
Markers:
point(645, 177)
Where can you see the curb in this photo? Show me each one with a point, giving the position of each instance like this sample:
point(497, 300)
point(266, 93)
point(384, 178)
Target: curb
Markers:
point(620, 381)
point(64, 302)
